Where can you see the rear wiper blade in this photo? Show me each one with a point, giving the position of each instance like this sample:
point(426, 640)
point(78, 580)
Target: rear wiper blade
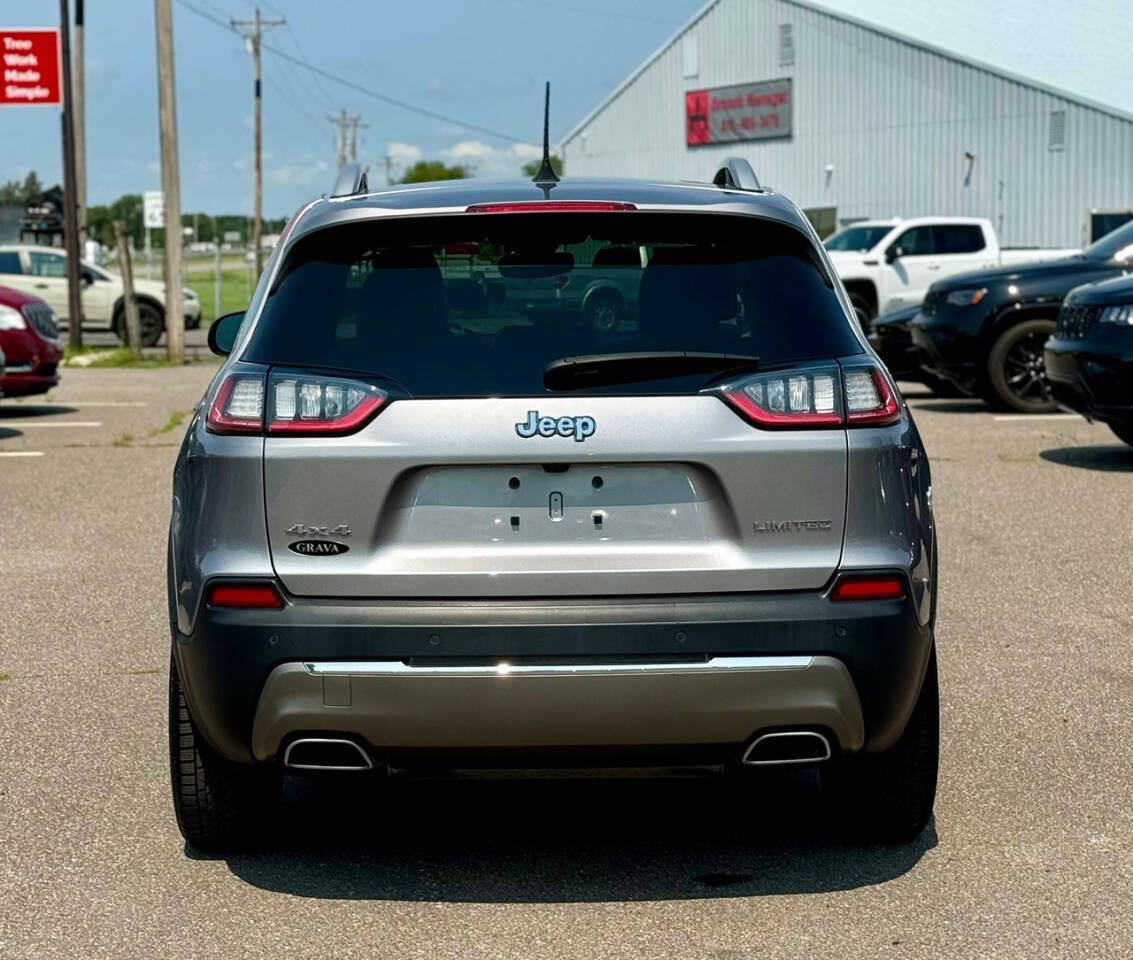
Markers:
point(605, 369)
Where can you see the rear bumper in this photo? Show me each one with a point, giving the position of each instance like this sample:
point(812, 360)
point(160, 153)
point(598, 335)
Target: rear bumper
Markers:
point(948, 350)
point(619, 673)
point(401, 709)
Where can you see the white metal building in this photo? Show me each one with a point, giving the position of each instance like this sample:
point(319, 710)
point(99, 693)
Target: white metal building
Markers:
point(853, 121)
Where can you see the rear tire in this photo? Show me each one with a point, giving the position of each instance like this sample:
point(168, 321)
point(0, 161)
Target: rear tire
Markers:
point(887, 797)
point(1124, 434)
point(1016, 374)
point(151, 324)
point(219, 804)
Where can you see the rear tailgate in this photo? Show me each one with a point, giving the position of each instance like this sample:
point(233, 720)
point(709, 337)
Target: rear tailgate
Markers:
point(443, 498)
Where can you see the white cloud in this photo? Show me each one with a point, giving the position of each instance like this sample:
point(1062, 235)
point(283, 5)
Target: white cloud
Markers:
point(301, 174)
point(481, 159)
point(484, 160)
point(404, 154)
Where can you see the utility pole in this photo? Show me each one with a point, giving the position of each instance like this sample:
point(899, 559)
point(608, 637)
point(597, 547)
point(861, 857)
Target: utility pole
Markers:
point(70, 214)
point(80, 125)
point(347, 149)
point(170, 183)
point(253, 31)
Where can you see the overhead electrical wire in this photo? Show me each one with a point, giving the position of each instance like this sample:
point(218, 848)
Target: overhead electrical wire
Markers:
point(357, 87)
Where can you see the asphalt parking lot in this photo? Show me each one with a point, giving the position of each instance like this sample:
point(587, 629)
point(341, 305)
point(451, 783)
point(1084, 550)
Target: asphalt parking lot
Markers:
point(1028, 856)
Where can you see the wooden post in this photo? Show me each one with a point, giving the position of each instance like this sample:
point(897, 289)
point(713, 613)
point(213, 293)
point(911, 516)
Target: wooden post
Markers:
point(79, 81)
point(170, 183)
point(133, 327)
point(253, 30)
point(70, 214)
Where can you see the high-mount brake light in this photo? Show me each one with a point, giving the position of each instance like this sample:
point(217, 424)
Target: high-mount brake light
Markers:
point(870, 400)
point(868, 586)
point(296, 404)
point(244, 596)
point(238, 406)
point(788, 398)
point(553, 206)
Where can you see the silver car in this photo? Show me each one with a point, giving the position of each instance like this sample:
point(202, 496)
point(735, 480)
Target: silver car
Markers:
point(417, 526)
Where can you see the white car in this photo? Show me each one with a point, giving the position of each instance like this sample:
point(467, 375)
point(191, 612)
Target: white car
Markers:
point(42, 271)
point(888, 265)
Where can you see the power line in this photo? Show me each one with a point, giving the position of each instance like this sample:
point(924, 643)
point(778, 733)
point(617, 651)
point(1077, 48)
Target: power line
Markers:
point(357, 87)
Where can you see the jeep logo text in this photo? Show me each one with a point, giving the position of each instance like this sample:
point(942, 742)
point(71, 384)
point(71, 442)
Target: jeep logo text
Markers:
point(578, 427)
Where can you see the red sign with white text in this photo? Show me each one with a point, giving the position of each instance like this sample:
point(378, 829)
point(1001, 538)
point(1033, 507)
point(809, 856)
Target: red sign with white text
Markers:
point(747, 111)
point(29, 58)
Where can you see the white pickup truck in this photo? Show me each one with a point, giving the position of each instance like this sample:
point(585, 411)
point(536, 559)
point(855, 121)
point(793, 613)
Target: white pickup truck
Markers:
point(890, 264)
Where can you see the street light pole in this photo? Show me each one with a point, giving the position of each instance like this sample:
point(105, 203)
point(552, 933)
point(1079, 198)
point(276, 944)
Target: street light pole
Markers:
point(70, 213)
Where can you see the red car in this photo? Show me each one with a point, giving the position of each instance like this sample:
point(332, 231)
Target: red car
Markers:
point(29, 339)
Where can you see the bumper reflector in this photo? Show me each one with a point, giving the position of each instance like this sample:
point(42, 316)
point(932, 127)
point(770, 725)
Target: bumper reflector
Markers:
point(245, 596)
point(883, 586)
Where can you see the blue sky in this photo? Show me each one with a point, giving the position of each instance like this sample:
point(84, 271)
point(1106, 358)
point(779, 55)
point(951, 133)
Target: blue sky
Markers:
point(483, 61)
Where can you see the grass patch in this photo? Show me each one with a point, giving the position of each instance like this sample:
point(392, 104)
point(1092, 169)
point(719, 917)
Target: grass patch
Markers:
point(5, 677)
point(110, 357)
point(123, 440)
point(176, 418)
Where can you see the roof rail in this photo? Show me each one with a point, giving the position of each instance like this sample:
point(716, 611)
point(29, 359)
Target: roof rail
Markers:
point(351, 179)
point(736, 174)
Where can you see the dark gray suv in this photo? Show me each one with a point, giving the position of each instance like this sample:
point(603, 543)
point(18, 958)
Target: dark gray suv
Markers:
point(421, 522)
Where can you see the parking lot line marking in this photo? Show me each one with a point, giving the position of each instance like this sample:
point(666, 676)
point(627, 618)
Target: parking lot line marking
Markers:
point(24, 424)
point(1023, 417)
point(95, 403)
point(21, 453)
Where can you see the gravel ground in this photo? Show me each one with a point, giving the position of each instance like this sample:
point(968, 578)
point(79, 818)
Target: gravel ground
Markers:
point(1028, 856)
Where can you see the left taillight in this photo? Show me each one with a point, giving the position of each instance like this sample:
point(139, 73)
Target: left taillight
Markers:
point(244, 596)
point(294, 403)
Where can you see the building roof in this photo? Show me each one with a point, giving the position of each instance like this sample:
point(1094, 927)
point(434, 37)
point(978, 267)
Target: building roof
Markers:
point(865, 25)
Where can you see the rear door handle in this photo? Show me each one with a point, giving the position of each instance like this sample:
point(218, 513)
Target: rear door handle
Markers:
point(934, 266)
point(42, 286)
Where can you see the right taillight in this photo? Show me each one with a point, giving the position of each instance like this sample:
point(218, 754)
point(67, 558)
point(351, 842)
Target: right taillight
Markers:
point(789, 398)
point(293, 403)
point(870, 400)
point(814, 397)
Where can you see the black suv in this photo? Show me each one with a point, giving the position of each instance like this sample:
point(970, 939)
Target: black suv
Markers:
point(985, 330)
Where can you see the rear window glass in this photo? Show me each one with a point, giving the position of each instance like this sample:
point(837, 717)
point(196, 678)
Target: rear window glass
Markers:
point(479, 304)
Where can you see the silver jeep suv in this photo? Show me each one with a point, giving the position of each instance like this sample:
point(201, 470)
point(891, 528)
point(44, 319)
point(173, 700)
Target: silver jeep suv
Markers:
point(421, 522)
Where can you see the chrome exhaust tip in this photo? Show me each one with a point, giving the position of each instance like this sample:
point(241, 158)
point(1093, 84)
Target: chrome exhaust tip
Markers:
point(326, 753)
point(787, 746)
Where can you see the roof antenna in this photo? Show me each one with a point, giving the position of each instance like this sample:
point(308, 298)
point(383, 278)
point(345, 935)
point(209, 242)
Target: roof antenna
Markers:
point(546, 177)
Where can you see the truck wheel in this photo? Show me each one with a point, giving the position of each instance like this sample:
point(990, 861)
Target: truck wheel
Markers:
point(219, 804)
point(1124, 434)
point(604, 312)
point(887, 797)
point(862, 311)
point(1016, 374)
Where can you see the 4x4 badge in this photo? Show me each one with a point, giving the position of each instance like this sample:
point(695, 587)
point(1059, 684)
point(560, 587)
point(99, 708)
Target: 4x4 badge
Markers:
point(309, 530)
point(578, 427)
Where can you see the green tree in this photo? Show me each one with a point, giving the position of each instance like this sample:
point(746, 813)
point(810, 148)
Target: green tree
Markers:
point(532, 168)
point(426, 171)
point(20, 193)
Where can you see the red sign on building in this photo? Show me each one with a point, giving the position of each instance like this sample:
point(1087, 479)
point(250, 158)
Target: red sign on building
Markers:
point(749, 111)
point(29, 58)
